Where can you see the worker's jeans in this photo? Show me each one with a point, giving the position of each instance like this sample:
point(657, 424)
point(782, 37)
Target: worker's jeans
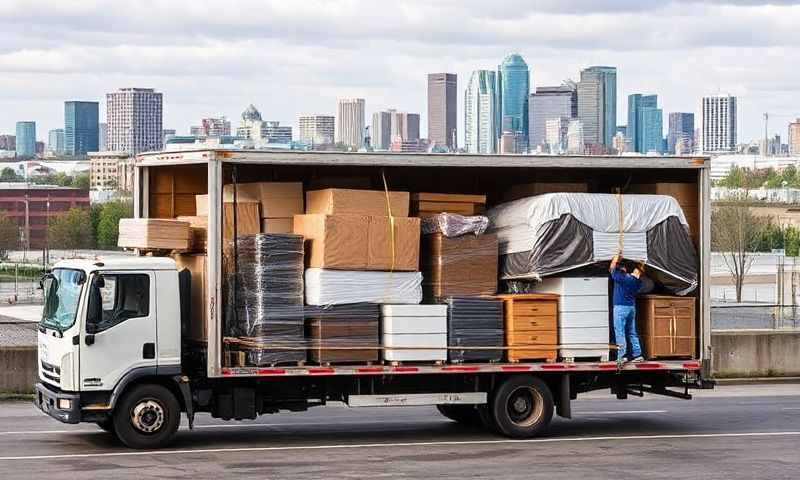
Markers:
point(625, 326)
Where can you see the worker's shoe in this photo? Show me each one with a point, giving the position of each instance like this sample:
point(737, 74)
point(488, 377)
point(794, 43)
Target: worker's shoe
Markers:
point(638, 359)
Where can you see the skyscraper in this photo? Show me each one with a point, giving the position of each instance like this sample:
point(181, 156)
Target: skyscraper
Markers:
point(55, 141)
point(382, 130)
point(212, 127)
point(680, 131)
point(794, 137)
point(251, 125)
point(718, 123)
point(81, 127)
point(273, 132)
point(350, 122)
point(481, 116)
point(575, 139)
point(405, 126)
point(26, 139)
point(513, 89)
point(316, 129)
point(442, 110)
point(645, 123)
point(102, 136)
point(134, 118)
point(550, 103)
point(597, 104)
point(556, 130)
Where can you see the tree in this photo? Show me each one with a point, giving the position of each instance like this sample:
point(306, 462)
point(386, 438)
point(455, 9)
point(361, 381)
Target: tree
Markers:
point(9, 235)
point(108, 225)
point(735, 230)
point(9, 175)
point(81, 180)
point(71, 230)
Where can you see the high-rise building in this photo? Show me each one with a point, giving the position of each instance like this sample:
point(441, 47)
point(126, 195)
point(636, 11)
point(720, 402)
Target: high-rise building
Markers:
point(597, 104)
point(481, 113)
point(442, 110)
point(102, 135)
point(513, 88)
point(316, 130)
point(26, 139)
point(55, 141)
point(550, 103)
point(350, 122)
point(680, 131)
point(212, 127)
point(645, 123)
point(274, 132)
point(575, 140)
point(556, 130)
point(382, 130)
point(81, 127)
point(718, 123)
point(251, 124)
point(8, 142)
point(794, 137)
point(405, 126)
point(134, 118)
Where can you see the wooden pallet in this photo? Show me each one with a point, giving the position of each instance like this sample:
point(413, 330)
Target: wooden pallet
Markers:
point(595, 358)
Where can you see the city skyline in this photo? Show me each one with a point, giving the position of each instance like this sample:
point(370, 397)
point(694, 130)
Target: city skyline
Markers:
point(219, 77)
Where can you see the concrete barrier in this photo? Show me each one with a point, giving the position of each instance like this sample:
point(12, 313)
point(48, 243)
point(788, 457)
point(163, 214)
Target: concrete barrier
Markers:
point(18, 370)
point(756, 353)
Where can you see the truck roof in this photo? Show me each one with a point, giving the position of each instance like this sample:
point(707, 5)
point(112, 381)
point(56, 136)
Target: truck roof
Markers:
point(299, 157)
point(119, 263)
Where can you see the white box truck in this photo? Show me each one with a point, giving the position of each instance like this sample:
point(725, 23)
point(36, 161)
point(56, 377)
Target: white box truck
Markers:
point(136, 372)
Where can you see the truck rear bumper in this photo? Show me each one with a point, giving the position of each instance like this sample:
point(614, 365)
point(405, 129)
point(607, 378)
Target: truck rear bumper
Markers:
point(64, 407)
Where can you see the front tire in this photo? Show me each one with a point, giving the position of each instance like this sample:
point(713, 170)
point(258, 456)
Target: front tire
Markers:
point(107, 425)
point(147, 417)
point(522, 407)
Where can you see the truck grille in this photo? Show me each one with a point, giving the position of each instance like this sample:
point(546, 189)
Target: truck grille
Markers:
point(51, 372)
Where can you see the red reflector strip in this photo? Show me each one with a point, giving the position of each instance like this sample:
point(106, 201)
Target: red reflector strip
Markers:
point(459, 368)
point(370, 370)
point(271, 371)
point(516, 368)
point(607, 366)
point(648, 366)
point(692, 365)
point(317, 371)
point(227, 371)
point(405, 369)
point(558, 366)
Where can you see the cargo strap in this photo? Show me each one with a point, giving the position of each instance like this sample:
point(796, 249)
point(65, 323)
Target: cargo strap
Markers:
point(621, 207)
point(391, 220)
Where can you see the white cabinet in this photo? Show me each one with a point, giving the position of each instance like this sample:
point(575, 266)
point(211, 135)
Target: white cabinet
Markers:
point(414, 333)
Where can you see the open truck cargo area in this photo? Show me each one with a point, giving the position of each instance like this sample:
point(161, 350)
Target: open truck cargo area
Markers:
point(313, 277)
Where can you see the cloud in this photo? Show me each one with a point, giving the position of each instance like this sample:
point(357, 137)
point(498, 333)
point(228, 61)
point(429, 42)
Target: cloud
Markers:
point(292, 57)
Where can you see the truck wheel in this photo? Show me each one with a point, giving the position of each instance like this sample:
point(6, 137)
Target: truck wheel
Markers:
point(463, 414)
point(522, 407)
point(107, 425)
point(147, 417)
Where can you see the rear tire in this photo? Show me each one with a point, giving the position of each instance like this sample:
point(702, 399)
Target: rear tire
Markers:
point(463, 414)
point(147, 417)
point(522, 407)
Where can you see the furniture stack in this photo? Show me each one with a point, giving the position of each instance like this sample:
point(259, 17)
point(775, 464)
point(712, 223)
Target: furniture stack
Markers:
point(427, 204)
point(414, 333)
point(343, 333)
point(459, 266)
point(475, 324)
point(666, 326)
point(531, 326)
point(583, 315)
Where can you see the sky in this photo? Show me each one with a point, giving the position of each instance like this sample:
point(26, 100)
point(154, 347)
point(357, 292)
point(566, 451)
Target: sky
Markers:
point(212, 58)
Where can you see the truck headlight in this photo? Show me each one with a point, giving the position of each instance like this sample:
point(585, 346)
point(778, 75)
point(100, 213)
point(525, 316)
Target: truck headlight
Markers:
point(64, 404)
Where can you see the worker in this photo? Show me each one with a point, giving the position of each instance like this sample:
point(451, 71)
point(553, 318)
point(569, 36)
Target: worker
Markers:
point(626, 285)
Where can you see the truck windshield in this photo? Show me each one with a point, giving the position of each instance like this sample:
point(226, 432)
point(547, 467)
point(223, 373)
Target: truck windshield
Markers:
point(62, 291)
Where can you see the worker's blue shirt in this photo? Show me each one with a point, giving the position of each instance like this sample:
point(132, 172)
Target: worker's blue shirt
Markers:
point(625, 287)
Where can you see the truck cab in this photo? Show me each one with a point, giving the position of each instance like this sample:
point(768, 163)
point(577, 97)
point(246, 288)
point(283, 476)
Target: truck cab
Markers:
point(110, 336)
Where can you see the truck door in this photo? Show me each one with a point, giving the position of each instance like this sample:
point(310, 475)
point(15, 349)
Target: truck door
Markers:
point(121, 334)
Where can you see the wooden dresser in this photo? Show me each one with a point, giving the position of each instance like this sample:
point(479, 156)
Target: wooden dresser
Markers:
point(531, 326)
point(666, 326)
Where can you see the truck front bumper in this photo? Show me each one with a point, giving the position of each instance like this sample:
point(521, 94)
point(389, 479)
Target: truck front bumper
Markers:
point(63, 406)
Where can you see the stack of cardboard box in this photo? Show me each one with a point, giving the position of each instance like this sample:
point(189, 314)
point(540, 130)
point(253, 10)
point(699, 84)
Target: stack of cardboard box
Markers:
point(426, 204)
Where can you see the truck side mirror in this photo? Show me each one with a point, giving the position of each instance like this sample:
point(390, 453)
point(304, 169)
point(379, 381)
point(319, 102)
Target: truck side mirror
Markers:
point(94, 312)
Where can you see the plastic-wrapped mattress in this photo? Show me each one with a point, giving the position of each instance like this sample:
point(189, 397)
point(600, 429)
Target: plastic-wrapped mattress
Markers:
point(335, 287)
point(554, 233)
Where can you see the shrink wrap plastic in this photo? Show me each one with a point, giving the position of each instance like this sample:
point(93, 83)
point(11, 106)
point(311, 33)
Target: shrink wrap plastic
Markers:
point(343, 333)
point(475, 322)
point(336, 287)
point(460, 266)
point(454, 225)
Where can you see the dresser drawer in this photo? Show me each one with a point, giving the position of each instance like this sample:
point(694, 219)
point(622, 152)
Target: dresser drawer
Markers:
point(522, 324)
point(543, 339)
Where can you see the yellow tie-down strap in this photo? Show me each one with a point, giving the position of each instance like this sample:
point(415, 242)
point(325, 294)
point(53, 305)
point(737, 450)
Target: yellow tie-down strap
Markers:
point(391, 220)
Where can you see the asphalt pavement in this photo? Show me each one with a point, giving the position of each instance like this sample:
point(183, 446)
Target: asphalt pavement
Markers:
point(750, 431)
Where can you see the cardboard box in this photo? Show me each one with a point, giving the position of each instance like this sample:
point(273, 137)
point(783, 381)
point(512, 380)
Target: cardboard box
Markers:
point(196, 265)
point(248, 218)
point(340, 201)
point(685, 193)
point(277, 199)
point(459, 266)
point(448, 197)
point(359, 242)
point(201, 201)
point(198, 226)
point(153, 233)
point(277, 225)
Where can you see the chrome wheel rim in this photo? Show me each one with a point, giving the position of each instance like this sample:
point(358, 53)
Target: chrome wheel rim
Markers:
point(148, 416)
point(525, 406)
